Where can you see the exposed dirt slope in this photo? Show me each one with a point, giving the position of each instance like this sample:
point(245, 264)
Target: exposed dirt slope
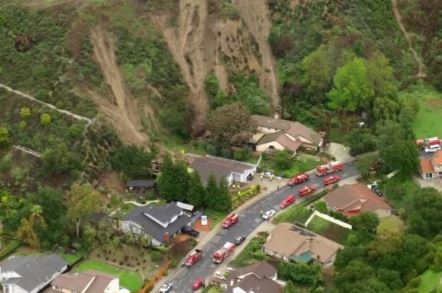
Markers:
point(193, 53)
point(256, 16)
point(121, 110)
point(421, 67)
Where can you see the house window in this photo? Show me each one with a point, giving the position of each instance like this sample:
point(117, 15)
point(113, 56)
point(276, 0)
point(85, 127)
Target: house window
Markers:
point(429, 175)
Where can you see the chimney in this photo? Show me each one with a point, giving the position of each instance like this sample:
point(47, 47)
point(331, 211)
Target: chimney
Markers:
point(276, 116)
point(166, 237)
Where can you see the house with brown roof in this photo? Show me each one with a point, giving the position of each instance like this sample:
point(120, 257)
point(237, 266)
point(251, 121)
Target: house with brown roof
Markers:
point(231, 170)
point(353, 199)
point(431, 168)
point(290, 242)
point(279, 134)
point(259, 277)
point(85, 282)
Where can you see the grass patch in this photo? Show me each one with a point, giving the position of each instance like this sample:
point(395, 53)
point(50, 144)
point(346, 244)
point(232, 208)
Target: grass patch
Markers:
point(328, 229)
point(128, 279)
point(400, 191)
point(251, 253)
point(293, 214)
point(72, 258)
point(302, 163)
point(430, 280)
point(215, 216)
point(427, 122)
point(391, 223)
point(318, 225)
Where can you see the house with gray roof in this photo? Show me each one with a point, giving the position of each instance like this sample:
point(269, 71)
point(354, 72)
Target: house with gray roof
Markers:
point(231, 170)
point(279, 134)
point(30, 274)
point(160, 223)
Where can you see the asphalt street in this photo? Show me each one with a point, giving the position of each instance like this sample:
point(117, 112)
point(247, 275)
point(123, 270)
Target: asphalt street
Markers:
point(250, 219)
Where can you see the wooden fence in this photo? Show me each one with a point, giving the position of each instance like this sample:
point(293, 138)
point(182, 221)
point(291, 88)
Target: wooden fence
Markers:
point(150, 284)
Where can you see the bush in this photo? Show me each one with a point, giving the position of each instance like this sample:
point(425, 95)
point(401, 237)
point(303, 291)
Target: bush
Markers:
point(156, 256)
point(10, 248)
point(415, 282)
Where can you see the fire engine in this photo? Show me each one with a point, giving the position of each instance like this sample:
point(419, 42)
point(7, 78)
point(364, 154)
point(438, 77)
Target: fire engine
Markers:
point(193, 257)
point(329, 168)
point(300, 178)
point(287, 201)
point(331, 179)
point(306, 190)
point(230, 220)
point(221, 254)
point(426, 142)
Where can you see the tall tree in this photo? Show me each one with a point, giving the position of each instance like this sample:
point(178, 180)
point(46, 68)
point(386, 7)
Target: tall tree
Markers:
point(212, 192)
point(30, 226)
point(166, 180)
point(60, 160)
point(425, 218)
point(82, 201)
point(196, 191)
point(224, 201)
point(133, 161)
point(231, 124)
point(351, 87)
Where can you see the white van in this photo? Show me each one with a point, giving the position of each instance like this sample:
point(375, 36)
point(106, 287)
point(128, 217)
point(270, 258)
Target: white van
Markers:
point(432, 148)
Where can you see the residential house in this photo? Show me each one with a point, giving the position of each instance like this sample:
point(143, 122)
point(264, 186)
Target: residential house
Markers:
point(431, 167)
point(289, 242)
point(30, 274)
point(259, 277)
point(85, 282)
point(353, 199)
point(279, 134)
point(140, 185)
point(231, 170)
point(160, 223)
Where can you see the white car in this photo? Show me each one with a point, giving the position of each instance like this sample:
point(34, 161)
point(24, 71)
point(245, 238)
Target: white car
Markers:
point(204, 220)
point(432, 149)
point(268, 214)
point(165, 287)
point(268, 174)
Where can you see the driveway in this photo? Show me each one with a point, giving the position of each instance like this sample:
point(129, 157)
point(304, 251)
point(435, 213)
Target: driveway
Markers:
point(339, 151)
point(250, 219)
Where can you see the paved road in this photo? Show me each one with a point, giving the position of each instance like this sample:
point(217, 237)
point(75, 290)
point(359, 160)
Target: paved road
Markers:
point(250, 218)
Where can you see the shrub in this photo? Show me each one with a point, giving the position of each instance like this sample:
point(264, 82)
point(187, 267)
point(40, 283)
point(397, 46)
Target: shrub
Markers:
point(156, 256)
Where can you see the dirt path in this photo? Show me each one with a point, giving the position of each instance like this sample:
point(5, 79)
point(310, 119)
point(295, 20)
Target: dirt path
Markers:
point(122, 110)
point(256, 16)
point(189, 48)
point(421, 67)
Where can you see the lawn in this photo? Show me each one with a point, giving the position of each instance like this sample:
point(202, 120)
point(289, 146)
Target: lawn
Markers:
point(391, 223)
point(427, 123)
point(429, 281)
point(215, 216)
point(293, 214)
point(251, 253)
point(302, 163)
point(72, 258)
point(318, 225)
point(400, 191)
point(329, 230)
point(128, 279)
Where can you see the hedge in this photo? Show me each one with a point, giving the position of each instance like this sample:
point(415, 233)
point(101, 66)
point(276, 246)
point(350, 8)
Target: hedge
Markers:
point(246, 194)
point(9, 249)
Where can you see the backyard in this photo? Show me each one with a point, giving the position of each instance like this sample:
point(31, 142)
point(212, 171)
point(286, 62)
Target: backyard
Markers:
point(129, 279)
point(251, 253)
point(291, 166)
point(427, 123)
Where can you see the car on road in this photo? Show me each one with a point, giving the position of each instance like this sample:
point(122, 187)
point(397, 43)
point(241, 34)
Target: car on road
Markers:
point(331, 179)
point(166, 287)
point(288, 200)
point(240, 239)
point(432, 148)
point(189, 231)
point(198, 283)
point(204, 220)
point(268, 214)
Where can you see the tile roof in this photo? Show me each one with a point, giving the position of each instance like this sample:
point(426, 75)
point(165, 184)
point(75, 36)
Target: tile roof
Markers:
point(154, 229)
point(292, 241)
point(35, 270)
point(219, 167)
point(260, 269)
point(353, 197)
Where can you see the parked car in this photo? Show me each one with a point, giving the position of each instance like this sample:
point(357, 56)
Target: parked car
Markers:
point(198, 283)
point(240, 239)
point(432, 148)
point(375, 188)
point(189, 231)
point(268, 174)
point(288, 200)
point(268, 214)
point(204, 221)
point(166, 287)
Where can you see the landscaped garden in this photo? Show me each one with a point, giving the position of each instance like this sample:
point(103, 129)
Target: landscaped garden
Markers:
point(283, 165)
point(129, 279)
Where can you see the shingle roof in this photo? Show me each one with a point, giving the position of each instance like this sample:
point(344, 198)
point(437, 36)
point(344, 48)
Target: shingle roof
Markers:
point(260, 269)
point(35, 270)
point(253, 284)
point(282, 139)
point(79, 282)
point(349, 197)
point(256, 277)
point(289, 240)
point(165, 212)
point(154, 229)
point(219, 167)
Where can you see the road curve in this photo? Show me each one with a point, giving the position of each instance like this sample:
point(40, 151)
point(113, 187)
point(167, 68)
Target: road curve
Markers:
point(250, 219)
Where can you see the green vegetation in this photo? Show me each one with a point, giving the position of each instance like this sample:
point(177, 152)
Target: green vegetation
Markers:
point(128, 279)
point(251, 253)
point(298, 213)
point(328, 229)
point(429, 281)
point(73, 258)
point(283, 165)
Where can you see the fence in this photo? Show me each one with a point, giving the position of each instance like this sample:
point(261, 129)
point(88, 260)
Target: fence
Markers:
point(327, 218)
point(150, 284)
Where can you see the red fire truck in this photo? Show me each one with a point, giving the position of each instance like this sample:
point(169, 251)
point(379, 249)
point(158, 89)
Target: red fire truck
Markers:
point(298, 179)
point(329, 168)
point(230, 220)
point(306, 190)
point(221, 254)
point(331, 179)
point(426, 142)
point(193, 257)
point(288, 200)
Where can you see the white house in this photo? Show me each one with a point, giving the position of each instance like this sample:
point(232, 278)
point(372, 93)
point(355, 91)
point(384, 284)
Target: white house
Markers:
point(30, 274)
point(431, 168)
